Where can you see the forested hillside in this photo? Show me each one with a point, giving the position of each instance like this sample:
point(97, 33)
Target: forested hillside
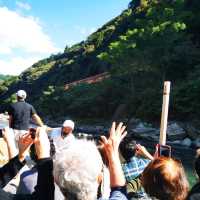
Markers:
point(148, 43)
point(4, 77)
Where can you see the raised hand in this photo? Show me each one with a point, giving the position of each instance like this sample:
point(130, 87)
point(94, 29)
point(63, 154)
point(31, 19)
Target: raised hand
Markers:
point(41, 141)
point(116, 135)
point(111, 148)
point(24, 144)
point(8, 136)
point(142, 151)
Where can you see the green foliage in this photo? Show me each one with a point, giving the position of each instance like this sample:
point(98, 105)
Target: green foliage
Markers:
point(158, 43)
point(11, 99)
point(4, 84)
point(35, 72)
point(4, 77)
point(148, 43)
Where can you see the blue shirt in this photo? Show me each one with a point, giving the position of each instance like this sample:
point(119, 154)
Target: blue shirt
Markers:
point(134, 168)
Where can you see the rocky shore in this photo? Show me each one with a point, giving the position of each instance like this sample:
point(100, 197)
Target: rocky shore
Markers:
point(183, 137)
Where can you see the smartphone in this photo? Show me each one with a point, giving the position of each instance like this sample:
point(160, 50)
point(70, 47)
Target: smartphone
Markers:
point(32, 132)
point(1, 134)
point(164, 150)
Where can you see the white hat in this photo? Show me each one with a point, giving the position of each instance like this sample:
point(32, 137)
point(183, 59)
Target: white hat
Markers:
point(68, 123)
point(21, 94)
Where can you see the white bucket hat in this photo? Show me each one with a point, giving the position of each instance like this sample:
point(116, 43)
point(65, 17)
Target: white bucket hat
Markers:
point(68, 123)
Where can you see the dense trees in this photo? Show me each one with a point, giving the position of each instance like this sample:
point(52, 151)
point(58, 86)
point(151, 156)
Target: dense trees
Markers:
point(148, 43)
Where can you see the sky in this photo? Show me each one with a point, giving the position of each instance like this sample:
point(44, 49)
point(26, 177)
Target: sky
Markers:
point(31, 30)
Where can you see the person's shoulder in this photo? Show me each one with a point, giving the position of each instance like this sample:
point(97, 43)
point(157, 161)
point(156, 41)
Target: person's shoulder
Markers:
point(28, 104)
point(13, 104)
point(193, 196)
point(139, 160)
point(194, 193)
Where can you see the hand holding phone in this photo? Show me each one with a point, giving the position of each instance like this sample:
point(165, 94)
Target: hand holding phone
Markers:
point(32, 132)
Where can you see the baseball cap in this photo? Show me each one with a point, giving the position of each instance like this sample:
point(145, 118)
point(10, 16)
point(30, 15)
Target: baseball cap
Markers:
point(21, 94)
point(68, 123)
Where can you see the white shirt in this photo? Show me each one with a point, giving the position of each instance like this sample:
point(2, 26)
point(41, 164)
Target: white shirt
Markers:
point(60, 142)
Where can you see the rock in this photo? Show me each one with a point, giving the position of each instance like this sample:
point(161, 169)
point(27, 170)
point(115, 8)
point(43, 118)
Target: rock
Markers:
point(192, 131)
point(149, 134)
point(133, 123)
point(147, 137)
point(145, 133)
point(90, 129)
point(175, 142)
point(141, 128)
point(196, 143)
point(175, 132)
point(84, 136)
point(186, 142)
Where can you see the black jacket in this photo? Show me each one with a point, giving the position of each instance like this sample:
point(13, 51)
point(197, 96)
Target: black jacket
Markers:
point(194, 194)
point(44, 189)
point(10, 170)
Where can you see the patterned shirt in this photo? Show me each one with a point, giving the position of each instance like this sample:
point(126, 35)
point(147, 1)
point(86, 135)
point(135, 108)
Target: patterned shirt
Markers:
point(132, 170)
point(134, 167)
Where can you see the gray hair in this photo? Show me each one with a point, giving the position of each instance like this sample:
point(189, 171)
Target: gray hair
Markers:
point(76, 170)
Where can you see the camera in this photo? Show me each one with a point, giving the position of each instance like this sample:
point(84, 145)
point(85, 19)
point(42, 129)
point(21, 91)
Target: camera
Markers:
point(32, 132)
point(164, 150)
point(1, 133)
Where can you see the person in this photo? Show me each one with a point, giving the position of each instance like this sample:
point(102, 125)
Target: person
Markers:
point(59, 140)
point(28, 178)
point(134, 158)
point(63, 136)
point(8, 171)
point(45, 182)
point(165, 178)
point(20, 114)
point(194, 194)
point(10, 147)
point(77, 170)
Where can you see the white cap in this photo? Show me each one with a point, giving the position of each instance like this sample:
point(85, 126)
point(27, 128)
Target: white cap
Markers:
point(21, 94)
point(68, 123)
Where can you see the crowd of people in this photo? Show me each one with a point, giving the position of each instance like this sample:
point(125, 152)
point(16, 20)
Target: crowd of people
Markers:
point(68, 168)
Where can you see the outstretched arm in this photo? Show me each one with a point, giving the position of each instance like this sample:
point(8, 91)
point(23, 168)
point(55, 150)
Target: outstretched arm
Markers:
point(142, 151)
point(8, 137)
point(37, 119)
point(111, 147)
point(45, 183)
point(10, 170)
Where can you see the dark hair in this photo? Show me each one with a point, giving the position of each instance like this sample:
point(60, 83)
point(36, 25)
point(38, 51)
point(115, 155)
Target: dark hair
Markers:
point(165, 179)
point(127, 148)
point(33, 153)
point(20, 98)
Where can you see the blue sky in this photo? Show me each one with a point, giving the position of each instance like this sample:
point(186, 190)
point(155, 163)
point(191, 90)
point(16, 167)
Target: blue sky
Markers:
point(31, 29)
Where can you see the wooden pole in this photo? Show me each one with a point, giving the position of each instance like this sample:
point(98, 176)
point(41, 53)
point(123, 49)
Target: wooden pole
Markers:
point(165, 106)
